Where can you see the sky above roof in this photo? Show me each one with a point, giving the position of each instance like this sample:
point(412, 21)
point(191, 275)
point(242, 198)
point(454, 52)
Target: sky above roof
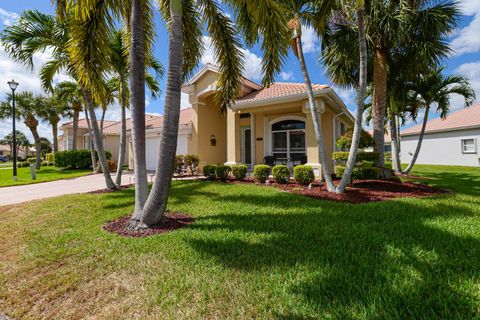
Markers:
point(465, 41)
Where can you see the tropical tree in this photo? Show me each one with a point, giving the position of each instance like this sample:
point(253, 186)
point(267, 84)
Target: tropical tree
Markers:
point(45, 146)
point(418, 29)
point(71, 93)
point(21, 141)
point(76, 48)
point(27, 109)
point(54, 109)
point(433, 88)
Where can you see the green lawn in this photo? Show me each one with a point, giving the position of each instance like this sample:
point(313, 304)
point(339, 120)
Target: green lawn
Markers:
point(253, 253)
point(43, 175)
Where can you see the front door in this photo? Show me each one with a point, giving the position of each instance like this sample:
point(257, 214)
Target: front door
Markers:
point(246, 145)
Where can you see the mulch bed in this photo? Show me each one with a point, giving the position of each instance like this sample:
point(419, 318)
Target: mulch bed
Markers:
point(110, 190)
point(171, 221)
point(361, 191)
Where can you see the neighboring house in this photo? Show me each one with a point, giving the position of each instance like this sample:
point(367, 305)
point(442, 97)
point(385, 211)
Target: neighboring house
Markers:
point(273, 121)
point(22, 153)
point(453, 141)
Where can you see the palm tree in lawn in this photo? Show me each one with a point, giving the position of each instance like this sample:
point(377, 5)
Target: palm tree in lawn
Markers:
point(28, 108)
point(21, 139)
point(54, 109)
point(119, 67)
point(71, 93)
point(418, 29)
point(36, 32)
point(434, 88)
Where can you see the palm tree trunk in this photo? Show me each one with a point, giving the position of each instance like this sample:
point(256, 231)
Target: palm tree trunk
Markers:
point(90, 144)
point(98, 139)
point(155, 206)
point(379, 103)
point(76, 113)
point(102, 120)
point(54, 125)
point(123, 134)
point(314, 112)
point(419, 143)
point(352, 156)
point(137, 102)
point(36, 139)
point(395, 146)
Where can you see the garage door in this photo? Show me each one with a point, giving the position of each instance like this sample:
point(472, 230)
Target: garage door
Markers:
point(153, 145)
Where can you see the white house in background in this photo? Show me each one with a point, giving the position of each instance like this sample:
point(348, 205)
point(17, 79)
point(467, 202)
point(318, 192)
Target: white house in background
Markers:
point(453, 141)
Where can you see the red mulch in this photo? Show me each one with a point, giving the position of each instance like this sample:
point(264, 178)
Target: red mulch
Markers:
point(171, 221)
point(361, 191)
point(110, 190)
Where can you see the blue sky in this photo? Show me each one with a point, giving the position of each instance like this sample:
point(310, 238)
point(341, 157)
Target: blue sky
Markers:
point(465, 40)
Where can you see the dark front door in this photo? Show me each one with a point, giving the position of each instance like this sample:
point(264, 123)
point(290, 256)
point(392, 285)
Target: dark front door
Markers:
point(247, 147)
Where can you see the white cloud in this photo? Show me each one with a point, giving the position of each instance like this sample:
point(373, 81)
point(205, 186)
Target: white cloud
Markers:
point(310, 41)
point(286, 75)
point(7, 18)
point(348, 97)
point(252, 62)
point(471, 70)
point(184, 103)
point(467, 39)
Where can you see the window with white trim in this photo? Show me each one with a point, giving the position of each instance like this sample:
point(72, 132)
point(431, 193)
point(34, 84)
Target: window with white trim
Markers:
point(469, 146)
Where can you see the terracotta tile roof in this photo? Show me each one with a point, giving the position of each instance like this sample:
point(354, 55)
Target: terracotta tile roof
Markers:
point(117, 125)
point(82, 123)
point(279, 89)
point(186, 116)
point(463, 118)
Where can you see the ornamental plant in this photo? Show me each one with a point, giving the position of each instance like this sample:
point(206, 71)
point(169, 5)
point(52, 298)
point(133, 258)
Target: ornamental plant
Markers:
point(222, 172)
point(239, 171)
point(281, 173)
point(303, 174)
point(261, 172)
point(209, 171)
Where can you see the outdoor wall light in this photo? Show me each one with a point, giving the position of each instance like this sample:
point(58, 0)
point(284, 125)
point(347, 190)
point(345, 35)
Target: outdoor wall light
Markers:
point(213, 140)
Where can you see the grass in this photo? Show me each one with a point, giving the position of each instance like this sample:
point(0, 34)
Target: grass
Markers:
point(43, 175)
point(253, 253)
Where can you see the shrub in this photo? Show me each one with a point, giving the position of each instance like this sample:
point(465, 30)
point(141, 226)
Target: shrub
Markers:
point(222, 172)
point(22, 164)
point(359, 173)
point(261, 172)
point(209, 171)
point(191, 162)
point(345, 140)
point(281, 173)
point(108, 155)
point(179, 164)
point(361, 156)
point(45, 163)
point(50, 157)
point(31, 160)
point(112, 166)
point(79, 159)
point(239, 171)
point(303, 174)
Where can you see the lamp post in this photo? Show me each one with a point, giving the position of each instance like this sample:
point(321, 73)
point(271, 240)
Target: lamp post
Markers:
point(13, 85)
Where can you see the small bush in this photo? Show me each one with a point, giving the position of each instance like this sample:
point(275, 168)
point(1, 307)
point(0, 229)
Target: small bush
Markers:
point(359, 173)
point(179, 164)
point(191, 162)
point(261, 172)
point(303, 174)
point(31, 160)
point(79, 159)
point(345, 140)
point(361, 156)
point(108, 155)
point(239, 171)
point(45, 163)
point(209, 171)
point(222, 172)
point(22, 164)
point(112, 166)
point(281, 173)
point(50, 157)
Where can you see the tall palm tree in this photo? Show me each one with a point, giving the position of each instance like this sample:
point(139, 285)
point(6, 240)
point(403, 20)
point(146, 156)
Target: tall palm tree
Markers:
point(75, 48)
point(417, 28)
point(434, 88)
point(71, 93)
point(54, 109)
point(28, 108)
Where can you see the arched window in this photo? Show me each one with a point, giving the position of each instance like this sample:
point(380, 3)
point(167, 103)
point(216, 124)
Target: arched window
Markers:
point(288, 125)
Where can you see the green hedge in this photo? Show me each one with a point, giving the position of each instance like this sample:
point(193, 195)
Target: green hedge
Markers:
point(261, 172)
point(50, 157)
point(303, 174)
point(361, 156)
point(222, 171)
point(239, 171)
point(79, 159)
point(281, 173)
point(359, 173)
point(209, 171)
point(31, 160)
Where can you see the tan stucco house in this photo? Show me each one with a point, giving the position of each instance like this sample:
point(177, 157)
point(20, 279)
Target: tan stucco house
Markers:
point(273, 121)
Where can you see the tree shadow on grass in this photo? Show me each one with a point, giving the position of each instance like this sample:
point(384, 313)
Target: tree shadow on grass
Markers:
point(377, 261)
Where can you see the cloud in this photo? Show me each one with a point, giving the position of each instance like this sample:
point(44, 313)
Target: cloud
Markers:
point(252, 62)
point(7, 18)
point(467, 39)
point(471, 70)
point(286, 75)
point(184, 103)
point(310, 41)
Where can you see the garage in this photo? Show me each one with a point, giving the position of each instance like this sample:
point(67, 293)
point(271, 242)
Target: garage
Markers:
point(153, 145)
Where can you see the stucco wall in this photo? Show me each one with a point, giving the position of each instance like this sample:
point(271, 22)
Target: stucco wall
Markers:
point(442, 148)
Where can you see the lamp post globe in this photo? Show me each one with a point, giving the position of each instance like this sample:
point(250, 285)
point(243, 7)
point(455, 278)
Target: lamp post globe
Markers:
point(13, 86)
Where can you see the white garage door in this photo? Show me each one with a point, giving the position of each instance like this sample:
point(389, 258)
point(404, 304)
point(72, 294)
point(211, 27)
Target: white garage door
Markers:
point(153, 145)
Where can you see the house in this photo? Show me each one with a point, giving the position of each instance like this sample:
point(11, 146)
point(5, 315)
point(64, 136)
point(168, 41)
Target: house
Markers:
point(22, 153)
point(450, 141)
point(264, 121)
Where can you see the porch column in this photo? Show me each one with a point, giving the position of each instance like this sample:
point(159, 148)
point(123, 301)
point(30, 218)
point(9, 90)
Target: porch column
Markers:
point(253, 139)
point(233, 138)
point(311, 141)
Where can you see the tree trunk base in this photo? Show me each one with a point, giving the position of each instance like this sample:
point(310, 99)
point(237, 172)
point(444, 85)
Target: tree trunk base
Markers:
point(386, 174)
point(136, 225)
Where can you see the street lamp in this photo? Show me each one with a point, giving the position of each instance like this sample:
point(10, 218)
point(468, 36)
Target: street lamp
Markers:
point(13, 85)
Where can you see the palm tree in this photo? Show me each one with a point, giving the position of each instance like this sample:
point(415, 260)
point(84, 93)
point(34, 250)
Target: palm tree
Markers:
point(54, 109)
point(71, 93)
point(435, 88)
point(75, 47)
point(28, 109)
point(416, 28)
point(21, 139)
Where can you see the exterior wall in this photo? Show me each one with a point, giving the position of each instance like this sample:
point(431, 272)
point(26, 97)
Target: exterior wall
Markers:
point(442, 148)
point(152, 149)
point(112, 143)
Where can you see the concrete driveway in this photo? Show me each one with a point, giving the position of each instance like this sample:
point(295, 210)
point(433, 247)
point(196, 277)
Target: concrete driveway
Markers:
point(19, 194)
